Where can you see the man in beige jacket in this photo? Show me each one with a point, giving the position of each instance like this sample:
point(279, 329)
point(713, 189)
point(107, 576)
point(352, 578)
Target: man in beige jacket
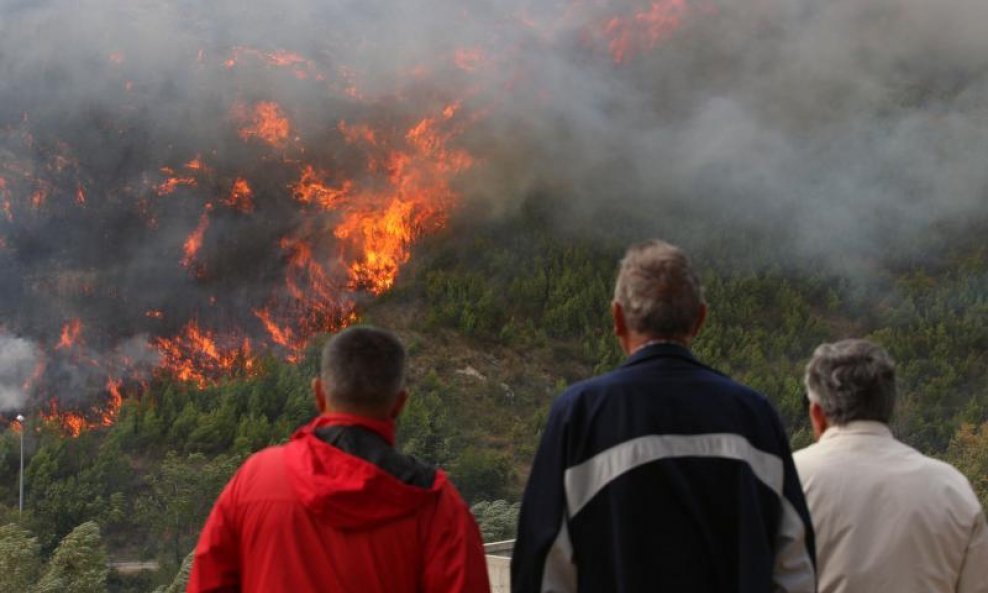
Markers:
point(887, 518)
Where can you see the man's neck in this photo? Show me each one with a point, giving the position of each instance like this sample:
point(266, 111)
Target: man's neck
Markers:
point(638, 342)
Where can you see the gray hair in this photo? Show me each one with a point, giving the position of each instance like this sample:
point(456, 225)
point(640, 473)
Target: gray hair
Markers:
point(363, 367)
point(852, 380)
point(658, 290)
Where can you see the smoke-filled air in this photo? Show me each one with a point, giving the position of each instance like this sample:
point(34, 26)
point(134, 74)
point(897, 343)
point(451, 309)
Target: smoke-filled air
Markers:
point(185, 185)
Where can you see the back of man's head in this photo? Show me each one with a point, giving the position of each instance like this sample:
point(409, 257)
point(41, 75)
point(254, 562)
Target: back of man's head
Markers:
point(852, 380)
point(658, 290)
point(363, 369)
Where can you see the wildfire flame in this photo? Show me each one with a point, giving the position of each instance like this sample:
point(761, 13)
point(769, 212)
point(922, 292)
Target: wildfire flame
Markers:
point(265, 121)
point(628, 36)
point(70, 335)
point(194, 241)
point(70, 421)
point(241, 196)
point(311, 189)
point(361, 214)
point(363, 185)
point(173, 181)
point(116, 400)
point(198, 355)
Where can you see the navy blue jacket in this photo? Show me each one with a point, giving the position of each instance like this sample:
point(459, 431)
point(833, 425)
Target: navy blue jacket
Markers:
point(663, 475)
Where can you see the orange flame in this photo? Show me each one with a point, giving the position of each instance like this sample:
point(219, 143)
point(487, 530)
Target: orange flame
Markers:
point(379, 231)
point(644, 30)
point(241, 196)
point(354, 134)
point(173, 181)
point(196, 164)
point(357, 231)
point(70, 335)
point(196, 356)
point(267, 122)
point(282, 336)
point(39, 197)
point(301, 67)
point(194, 241)
point(310, 189)
point(116, 400)
point(71, 422)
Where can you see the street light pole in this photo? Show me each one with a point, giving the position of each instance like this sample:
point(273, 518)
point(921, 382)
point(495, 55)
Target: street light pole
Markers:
point(20, 500)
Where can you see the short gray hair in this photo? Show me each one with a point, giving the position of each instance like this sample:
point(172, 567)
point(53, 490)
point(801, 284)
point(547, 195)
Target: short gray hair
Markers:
point(363, 367)
point(852, 380)
point(658, 290)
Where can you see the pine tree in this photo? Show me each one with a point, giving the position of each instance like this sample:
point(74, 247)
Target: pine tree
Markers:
point(78, 564)
point(20, 559)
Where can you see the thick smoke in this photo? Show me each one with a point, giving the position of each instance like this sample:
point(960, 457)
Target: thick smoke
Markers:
point(846, 129)
point(18, 361)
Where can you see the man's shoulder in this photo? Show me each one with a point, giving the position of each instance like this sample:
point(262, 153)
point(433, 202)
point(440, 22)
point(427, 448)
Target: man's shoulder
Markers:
point(945, 473)
point(811, 458)
point(628, 402)
point(701, 379)
point(264, 465)
point(891, 455)
point(267, 455)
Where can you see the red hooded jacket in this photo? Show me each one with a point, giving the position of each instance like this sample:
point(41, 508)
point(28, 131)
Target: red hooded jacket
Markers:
point(352, 516)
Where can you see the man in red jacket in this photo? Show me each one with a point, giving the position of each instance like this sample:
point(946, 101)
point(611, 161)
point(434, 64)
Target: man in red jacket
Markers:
point(337, 508)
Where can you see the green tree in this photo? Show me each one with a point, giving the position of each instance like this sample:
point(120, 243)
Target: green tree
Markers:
point(424, 429)
point(968, 452)
point(481, 474)
point(78, 565)
point(181, 494)
point(497, 520)
point(181, 578)
point(20, 558)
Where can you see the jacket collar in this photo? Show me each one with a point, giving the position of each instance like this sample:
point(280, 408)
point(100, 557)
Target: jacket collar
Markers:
point(858, 427)
point(660, 350)
point(384, 428)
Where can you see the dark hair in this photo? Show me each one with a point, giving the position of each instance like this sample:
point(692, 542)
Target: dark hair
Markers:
point(852, 380)
point(363, 367)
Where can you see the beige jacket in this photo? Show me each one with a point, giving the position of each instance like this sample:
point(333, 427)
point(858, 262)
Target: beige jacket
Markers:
point(889, 519)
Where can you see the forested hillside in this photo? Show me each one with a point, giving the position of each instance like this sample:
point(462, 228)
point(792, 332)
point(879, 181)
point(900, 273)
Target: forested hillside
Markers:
point(498, 317)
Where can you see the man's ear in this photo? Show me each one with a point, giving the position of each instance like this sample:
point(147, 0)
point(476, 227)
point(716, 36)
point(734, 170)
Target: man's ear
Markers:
point(320, 395)
point(818, 419)
point(620, 324)
point(399, 404)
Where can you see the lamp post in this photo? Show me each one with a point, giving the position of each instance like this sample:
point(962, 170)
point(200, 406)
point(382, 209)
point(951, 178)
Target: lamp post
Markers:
point(20, 500)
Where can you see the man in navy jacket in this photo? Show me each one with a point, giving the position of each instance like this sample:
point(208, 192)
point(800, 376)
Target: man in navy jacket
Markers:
point(662, 475)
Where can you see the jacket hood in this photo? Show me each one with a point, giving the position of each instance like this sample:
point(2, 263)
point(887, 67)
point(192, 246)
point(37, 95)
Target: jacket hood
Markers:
point(346, 490)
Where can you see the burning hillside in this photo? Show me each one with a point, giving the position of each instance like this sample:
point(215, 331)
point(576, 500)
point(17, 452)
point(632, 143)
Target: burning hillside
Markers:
point(255, 240)
point(184, 188)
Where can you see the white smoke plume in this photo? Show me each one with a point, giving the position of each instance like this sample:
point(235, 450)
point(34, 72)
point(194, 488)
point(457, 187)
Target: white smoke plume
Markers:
point(19, 359)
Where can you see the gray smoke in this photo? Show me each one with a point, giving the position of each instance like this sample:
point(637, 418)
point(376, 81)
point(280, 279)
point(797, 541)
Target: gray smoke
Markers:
point(847, 130)
point(18, 361)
